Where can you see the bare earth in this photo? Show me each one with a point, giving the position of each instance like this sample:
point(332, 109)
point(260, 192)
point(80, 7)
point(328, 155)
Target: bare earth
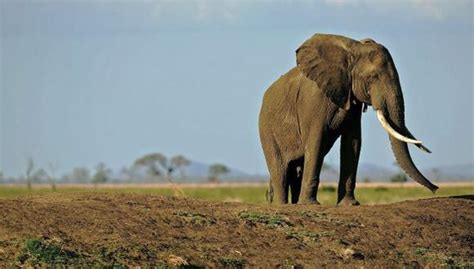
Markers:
point(104, 229)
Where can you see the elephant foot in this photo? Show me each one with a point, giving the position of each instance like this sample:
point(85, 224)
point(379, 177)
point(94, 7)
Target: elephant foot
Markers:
point(349, 201)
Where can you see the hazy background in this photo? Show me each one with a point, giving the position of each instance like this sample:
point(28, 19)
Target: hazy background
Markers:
point(89, 81)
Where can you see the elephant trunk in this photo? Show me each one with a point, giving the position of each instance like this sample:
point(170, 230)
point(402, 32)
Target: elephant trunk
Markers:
point(394, 108)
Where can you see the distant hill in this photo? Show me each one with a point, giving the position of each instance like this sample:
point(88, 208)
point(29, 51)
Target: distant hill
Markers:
point(461, 172)
point(198, 171)
point(373, 172)
point(377, 173)
point(195, 172)
point(366, 171)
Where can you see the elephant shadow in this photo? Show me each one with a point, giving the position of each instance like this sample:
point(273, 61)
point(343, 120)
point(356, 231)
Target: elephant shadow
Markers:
point(466, 197)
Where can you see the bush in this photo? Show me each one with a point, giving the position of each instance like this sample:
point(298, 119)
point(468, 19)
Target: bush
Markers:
point(328, 188)
point(40, 250)
point(400, 177)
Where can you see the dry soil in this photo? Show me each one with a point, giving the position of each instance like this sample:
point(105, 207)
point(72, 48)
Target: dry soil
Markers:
point(124, 230)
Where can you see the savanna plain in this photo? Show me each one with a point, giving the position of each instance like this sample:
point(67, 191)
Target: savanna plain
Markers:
point(232, 226)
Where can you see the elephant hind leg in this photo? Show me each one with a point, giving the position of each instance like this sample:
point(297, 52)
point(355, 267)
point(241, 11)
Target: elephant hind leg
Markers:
point(269, 193)
point(279, 185)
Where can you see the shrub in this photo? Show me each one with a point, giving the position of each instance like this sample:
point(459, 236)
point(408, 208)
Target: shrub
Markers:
point(40, 250)
point(400, 177)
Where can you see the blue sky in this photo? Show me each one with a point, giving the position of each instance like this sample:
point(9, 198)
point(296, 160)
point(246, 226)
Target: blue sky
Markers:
point(89, 81)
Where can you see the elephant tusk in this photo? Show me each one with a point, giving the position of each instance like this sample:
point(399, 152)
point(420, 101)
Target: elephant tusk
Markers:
point(423, 148)
point(392, 131)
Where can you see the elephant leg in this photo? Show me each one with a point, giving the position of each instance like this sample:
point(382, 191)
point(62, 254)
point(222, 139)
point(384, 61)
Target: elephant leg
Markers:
point(269, 193)
point(278, 189)
point(280, 185)
point(350, 150)
point(313, 161)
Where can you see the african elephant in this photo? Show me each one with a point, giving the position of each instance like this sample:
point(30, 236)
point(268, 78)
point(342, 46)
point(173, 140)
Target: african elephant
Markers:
point(307, 109)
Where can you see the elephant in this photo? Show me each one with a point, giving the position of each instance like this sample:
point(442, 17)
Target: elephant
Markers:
point(321, 99)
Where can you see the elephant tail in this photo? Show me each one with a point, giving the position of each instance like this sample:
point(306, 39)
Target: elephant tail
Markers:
point(269, 193)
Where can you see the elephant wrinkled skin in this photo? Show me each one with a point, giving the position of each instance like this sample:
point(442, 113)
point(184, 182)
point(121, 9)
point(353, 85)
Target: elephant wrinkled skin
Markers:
point(321, 99)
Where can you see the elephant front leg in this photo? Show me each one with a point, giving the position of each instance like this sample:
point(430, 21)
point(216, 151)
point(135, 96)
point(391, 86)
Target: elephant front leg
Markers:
point(313, 161)
point(350, 151)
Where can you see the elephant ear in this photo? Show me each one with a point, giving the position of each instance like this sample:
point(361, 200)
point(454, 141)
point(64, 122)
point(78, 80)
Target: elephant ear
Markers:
point(325, 60)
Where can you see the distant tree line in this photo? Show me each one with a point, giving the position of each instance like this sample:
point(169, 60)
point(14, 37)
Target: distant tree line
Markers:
point(216, 171)
point(153, 167)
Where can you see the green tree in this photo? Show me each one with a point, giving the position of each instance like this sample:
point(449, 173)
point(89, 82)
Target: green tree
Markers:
point(52, 175)
point(398, 178)
point(154, 163)
point(1, 176)
point(130, 173)
point(158, 164)
point(216, 171)
point(178, 162)
point(30, 166)
point(102, 174)
point(80, 174)
point(39, 175)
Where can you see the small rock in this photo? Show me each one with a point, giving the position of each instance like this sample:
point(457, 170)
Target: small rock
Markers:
point(176, 261)
point(344, 242)
point(349, 253)
point(358, 256)
point(412, 265)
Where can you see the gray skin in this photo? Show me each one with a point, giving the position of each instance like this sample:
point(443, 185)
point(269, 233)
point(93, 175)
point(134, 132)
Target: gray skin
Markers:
point(321, 99)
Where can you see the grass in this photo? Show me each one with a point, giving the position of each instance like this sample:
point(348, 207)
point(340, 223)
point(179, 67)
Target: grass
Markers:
point(440, 260)
point(252, 194)
point(420, 251)
point(194, 218)
point(47, 253)
point(38, 250)
point(226, 262)
point(270, 220)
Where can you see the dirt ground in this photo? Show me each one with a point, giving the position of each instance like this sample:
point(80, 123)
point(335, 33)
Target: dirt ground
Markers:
point(124, 230)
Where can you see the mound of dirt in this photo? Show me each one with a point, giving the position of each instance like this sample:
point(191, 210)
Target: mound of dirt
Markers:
point(99, 229)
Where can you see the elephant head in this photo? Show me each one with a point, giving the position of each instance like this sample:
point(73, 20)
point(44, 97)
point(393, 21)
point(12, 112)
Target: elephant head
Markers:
point(349, 71)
